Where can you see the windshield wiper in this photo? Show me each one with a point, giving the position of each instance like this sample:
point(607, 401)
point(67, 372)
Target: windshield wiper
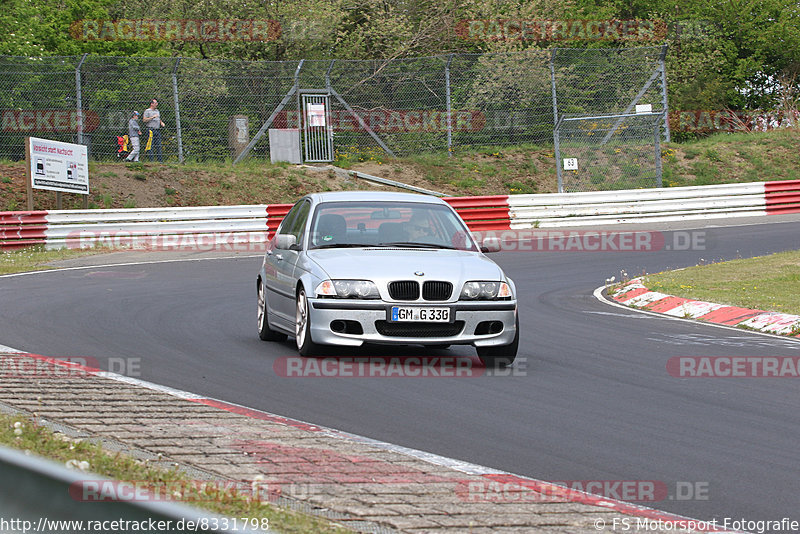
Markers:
point(341, 245)
point(409, 244)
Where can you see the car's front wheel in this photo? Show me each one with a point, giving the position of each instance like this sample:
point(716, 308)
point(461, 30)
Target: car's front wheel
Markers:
point(500, 356)
point(302, 326)
point(264, 331)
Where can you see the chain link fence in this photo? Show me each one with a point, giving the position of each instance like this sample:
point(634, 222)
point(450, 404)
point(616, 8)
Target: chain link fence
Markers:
point(630, 159)
point(611, 115)
point(213, 109)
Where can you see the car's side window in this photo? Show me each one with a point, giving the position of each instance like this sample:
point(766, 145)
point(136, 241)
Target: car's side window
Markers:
point(298, 224)
point(288, 219)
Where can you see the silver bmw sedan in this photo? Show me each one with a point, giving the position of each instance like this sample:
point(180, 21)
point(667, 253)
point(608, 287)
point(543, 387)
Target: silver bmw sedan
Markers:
point(349, 268)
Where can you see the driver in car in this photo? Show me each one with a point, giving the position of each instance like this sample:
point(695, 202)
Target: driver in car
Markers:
point(419, 229)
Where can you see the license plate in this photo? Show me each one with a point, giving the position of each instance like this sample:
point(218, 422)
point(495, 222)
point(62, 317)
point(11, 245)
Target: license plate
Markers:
point(421, 315)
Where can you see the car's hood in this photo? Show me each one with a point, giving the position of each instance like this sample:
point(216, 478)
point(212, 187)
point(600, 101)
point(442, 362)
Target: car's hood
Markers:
point(403, 264)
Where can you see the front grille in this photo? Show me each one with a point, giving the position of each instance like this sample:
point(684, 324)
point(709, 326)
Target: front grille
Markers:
point(432, 290)
point(386, 328)
point(404, 290)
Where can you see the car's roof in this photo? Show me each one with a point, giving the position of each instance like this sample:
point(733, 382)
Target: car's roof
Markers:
point(377, 196)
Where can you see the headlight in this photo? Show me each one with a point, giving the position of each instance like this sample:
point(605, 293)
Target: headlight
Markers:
point(348, 289)
point(485, 291)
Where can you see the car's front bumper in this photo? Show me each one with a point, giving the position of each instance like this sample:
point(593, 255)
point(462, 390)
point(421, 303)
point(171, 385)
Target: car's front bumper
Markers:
point(324, 312)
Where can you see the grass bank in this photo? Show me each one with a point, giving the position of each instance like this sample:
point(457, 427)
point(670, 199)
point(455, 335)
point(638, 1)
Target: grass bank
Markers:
point(769, 283)
point(721, 158)
point(37, 258)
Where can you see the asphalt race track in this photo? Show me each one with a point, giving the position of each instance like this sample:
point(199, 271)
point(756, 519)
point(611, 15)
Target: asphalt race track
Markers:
point(591, 398)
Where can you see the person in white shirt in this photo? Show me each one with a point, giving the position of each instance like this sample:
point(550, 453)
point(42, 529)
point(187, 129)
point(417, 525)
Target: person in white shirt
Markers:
point(134, 133)
point(152, 119)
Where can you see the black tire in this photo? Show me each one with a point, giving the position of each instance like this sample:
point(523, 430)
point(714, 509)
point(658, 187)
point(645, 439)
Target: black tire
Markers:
point(302, 327)
point(500, 356)
point(264, 331)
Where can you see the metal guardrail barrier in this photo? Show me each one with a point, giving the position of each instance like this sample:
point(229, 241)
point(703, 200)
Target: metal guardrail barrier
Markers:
point(36, 498)
point(249, 227)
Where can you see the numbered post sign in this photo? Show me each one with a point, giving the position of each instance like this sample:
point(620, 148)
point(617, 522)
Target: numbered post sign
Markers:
point(570, 164)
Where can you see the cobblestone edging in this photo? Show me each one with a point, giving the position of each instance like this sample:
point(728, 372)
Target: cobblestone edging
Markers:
point(636, 295)
point(368, 486)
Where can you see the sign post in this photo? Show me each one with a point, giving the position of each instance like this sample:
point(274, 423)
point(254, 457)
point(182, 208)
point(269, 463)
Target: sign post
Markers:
point(28, 186)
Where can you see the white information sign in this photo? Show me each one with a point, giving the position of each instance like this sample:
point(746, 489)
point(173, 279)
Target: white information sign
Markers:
point(316, 114)
point(570, 164)
point(241, 130)
point(59, 166)
point(644, 108)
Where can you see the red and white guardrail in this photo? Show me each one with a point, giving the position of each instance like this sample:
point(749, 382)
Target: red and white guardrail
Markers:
point(231, 225)
point(205, 226)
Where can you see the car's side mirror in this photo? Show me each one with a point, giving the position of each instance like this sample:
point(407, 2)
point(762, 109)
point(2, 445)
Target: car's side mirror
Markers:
point(285, 241)
point(490, 244)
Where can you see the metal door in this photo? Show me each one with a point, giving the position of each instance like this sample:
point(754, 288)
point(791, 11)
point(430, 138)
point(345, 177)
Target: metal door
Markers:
point(317, 130)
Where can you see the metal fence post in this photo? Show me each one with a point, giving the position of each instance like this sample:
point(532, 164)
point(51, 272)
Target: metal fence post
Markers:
point(329, 110)
point(553, 85)
point(557, 156)
point(663, 62)
point(657, 129)
point(556, 150)
point(449, 109)
point(79, 111)
point(177, 109)
point(301, 121)
point(79, 98)
point(328, 76)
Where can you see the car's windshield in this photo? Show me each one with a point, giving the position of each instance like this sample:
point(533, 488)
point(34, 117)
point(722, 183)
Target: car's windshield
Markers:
point(384, 224)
